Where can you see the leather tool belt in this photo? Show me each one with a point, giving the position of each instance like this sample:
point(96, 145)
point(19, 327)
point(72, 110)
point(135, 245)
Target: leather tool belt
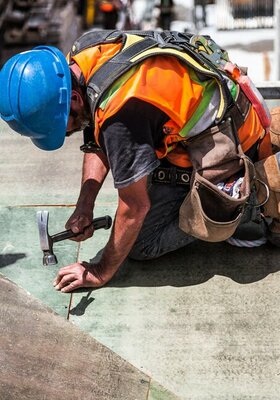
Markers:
point(172, 175)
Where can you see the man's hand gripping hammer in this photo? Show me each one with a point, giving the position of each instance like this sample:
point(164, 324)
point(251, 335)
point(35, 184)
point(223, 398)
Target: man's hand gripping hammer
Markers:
point(47, 241)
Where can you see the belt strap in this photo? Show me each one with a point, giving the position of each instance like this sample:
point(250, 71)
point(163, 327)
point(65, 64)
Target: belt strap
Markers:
point(172, 175)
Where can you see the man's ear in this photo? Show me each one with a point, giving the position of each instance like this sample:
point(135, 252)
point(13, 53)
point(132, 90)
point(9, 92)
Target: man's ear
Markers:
point(76, 100)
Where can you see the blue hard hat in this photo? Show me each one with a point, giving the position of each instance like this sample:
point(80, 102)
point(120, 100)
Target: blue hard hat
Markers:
point(35, 95)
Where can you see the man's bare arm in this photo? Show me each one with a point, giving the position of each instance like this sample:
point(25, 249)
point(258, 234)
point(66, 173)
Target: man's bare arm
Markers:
point(132, 208)
point(134, 203)
point(95, 169)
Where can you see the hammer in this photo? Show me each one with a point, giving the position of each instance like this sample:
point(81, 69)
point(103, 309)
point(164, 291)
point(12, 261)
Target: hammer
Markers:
point(47, 241)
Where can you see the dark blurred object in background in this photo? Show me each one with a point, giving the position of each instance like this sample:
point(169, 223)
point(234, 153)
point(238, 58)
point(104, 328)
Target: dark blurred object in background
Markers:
point(200, 19)
point(165, 14)
point(249, 9)
point(27, 23)
point(110, 11)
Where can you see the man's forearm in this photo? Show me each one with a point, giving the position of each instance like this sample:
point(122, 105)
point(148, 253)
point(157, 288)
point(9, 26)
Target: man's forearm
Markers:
point(123, 235)
point(134, 203)
point(95, 169)
point(130, 215)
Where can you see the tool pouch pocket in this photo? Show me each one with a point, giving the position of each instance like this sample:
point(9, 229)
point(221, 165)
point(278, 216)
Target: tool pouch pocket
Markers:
point(208, 213)
point(268, 185)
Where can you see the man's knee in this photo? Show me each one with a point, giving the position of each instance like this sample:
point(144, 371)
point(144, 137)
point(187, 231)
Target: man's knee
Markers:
point(139, 253)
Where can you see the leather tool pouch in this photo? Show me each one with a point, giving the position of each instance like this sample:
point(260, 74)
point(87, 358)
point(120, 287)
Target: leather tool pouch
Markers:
point(268, 185)
point(207, 212)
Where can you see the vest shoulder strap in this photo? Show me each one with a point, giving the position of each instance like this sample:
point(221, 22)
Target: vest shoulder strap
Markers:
point(199, 52)
point(98, 37)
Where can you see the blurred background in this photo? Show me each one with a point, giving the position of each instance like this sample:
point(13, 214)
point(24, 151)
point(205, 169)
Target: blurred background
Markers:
point(249, 29)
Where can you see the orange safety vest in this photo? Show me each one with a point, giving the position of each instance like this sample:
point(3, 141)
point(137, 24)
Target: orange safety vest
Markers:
point(167, 84)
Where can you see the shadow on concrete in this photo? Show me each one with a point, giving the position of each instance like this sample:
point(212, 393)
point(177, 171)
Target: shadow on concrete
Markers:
point(199, 262)
point(81, 307)
point(8, 259)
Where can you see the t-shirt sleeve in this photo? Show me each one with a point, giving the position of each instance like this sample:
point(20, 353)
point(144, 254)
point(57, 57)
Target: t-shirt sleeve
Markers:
point(129, 139)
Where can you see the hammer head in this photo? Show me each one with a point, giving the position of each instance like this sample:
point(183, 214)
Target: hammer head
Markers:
point(46, 241)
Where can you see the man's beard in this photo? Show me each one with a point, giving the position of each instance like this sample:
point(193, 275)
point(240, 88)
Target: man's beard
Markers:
point(83, 121)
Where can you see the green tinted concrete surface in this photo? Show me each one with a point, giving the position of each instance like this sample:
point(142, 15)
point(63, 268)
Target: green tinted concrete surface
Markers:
point(202, 322)
point(21, 256)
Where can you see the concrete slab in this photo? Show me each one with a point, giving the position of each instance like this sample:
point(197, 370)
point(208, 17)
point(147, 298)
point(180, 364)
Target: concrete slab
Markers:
point(21, 255)
point(30, 176)
point(32, 180)
point(203, 321)
point(42, 356)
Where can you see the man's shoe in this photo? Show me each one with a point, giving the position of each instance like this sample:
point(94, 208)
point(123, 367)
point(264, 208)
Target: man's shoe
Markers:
point(250, 234)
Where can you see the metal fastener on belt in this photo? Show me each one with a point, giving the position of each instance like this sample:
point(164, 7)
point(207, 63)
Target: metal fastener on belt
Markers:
point(185, 177)
point(161, 175)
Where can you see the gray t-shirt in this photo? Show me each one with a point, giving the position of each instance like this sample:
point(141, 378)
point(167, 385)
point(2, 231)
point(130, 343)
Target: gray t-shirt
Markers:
point(129, 139)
